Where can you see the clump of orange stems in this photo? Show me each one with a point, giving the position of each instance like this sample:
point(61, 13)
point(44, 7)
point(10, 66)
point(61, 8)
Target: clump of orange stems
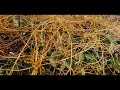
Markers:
point(59, 45)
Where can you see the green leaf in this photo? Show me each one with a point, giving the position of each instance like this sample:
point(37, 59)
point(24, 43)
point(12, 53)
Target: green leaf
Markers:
point(118, 66)
point(88, 56)
point(113, 61)
point(53, 54)
point(67, 64)
point(106, 61)
point(49, 53)
point(106, 39)
point(111, 46)
point(1, 72)
point(15, 22)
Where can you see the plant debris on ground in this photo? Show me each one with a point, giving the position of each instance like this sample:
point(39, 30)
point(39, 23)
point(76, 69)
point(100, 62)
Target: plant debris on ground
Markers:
point(59, 44)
